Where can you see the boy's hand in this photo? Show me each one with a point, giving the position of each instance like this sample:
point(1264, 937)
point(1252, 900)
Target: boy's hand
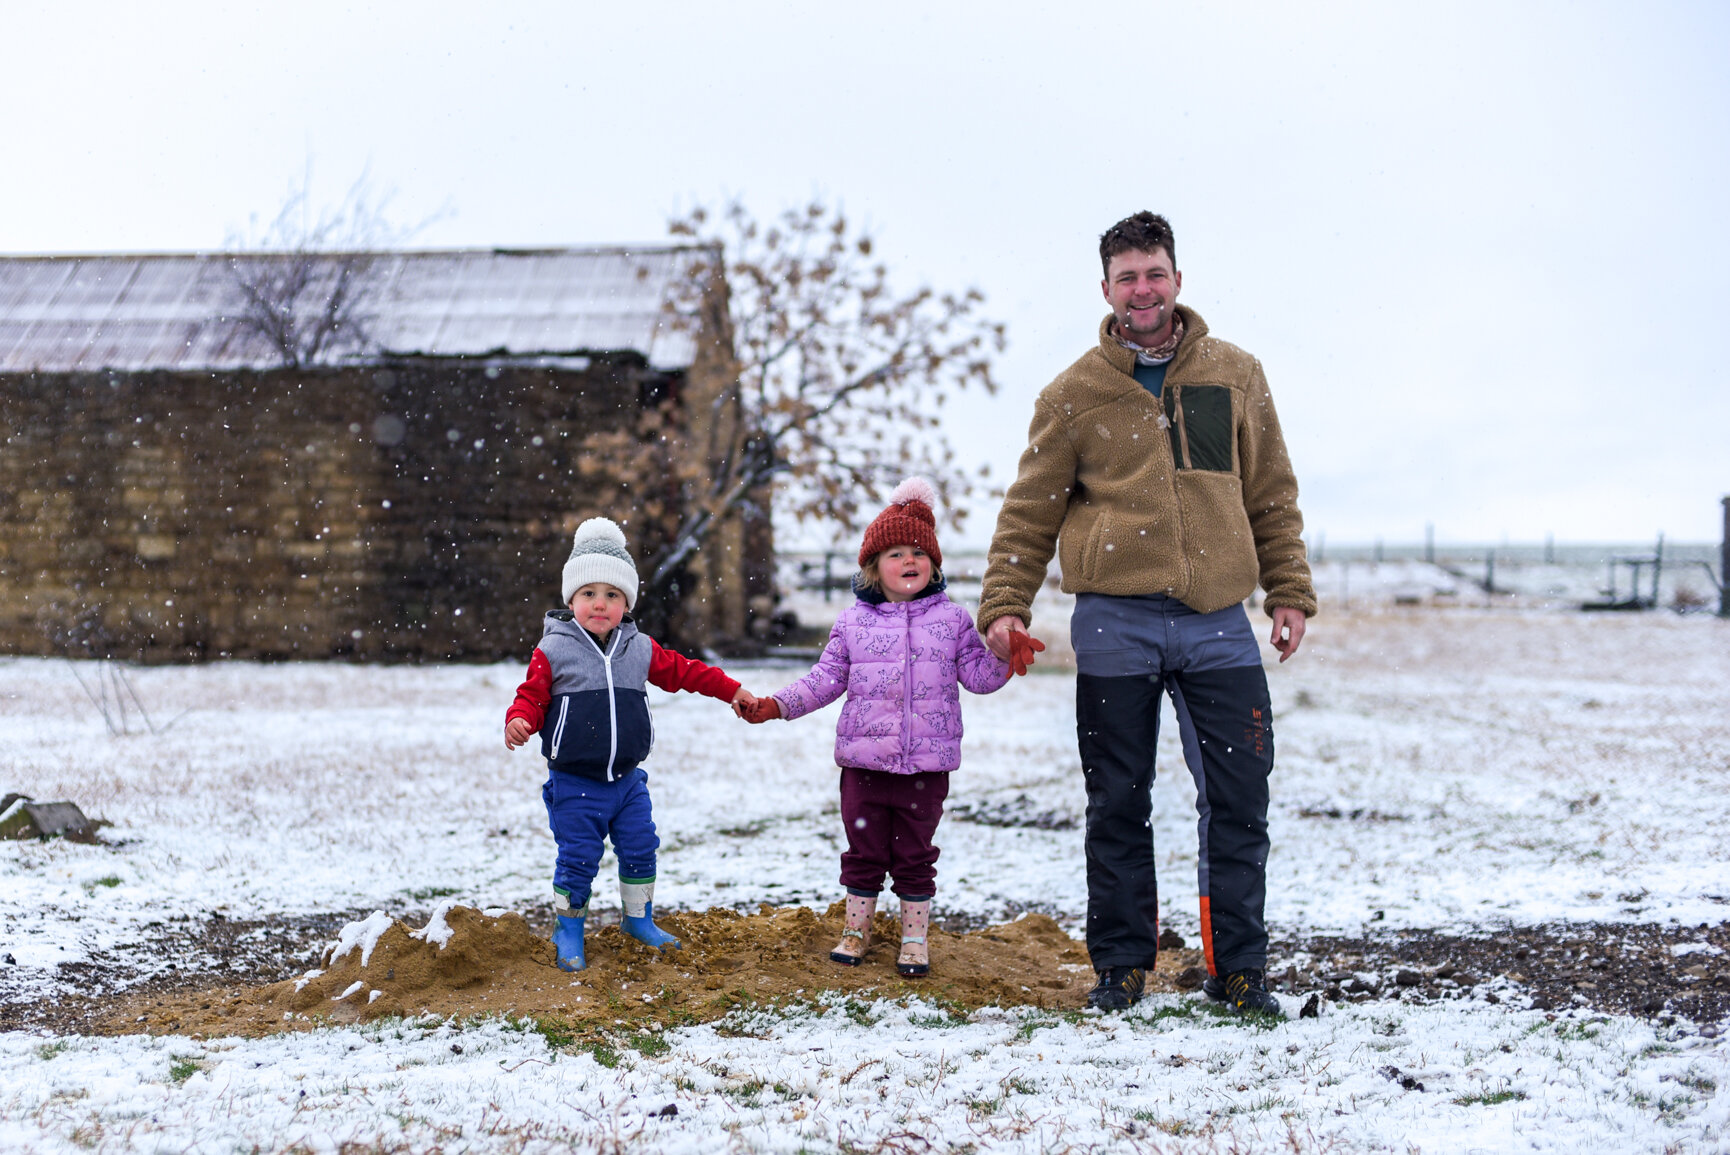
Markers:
point(1022, 647)
point(741, 701)
point(760, 711)
point(517, 731)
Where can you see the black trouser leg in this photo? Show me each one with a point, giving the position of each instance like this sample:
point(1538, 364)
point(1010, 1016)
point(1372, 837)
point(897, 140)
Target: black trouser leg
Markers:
point(1228, 732)
point(1117, 729)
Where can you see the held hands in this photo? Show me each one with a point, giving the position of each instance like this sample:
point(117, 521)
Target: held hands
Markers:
point(1008, 638)
point(761, 710)
point(517, 731)
point(742, 701)
point(1022, 647)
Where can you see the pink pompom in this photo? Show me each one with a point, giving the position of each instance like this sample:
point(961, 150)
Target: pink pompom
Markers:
point(914, 489)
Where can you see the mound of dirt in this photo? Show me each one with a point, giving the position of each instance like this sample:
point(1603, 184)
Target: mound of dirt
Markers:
point(466, 963)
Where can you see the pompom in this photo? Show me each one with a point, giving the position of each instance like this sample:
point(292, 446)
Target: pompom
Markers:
point(599, 529)
point(914, 489)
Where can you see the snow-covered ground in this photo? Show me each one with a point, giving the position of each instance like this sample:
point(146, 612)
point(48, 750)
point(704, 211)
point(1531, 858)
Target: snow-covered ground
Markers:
point(1455, 769)
point(883, 1077)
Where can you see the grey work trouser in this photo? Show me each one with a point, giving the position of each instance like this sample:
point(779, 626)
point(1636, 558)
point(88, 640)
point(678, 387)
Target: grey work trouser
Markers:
point(1129, 651)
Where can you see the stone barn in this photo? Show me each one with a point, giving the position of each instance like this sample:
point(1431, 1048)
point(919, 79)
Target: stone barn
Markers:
point(394, 479)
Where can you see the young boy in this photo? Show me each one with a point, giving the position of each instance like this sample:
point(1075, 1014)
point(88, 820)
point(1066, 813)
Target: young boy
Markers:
point(584, 694)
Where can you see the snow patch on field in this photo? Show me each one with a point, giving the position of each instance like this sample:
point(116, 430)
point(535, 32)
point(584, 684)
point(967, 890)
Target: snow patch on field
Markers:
point(1166, 1076)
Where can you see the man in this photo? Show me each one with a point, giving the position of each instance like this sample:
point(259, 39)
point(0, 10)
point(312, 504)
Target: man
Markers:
point(1156, 468)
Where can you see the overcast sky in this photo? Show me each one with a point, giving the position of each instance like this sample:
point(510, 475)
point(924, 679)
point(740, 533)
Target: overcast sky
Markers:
point(1481, 249)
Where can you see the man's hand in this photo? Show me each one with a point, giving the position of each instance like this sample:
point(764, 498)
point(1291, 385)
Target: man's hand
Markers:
point(1007, 637)
point(1288, 630)
point(760, 710)
point(742, 701)
point(997, 635)
point(517, 731)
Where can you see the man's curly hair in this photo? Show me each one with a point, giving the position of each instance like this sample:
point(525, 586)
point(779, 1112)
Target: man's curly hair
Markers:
point(1144, 232)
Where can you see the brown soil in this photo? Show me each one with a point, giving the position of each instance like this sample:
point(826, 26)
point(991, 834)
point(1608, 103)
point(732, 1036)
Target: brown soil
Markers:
point(223, 976)
point(503, 966)
point(1623, 968)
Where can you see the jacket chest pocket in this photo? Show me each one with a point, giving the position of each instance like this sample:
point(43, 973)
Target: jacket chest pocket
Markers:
point(1202, 430)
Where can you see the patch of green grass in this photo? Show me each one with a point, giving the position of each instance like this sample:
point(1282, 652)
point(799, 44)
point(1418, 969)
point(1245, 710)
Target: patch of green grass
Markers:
point(1695, 1081)
point(746, 1094)
point(425, 893)
point(1020, 1086)
point(649, 1043)
point(183, 1069)
point(1489, 1098)
point(48, 1050)
point(985, 1106)
point(1171, 1126)
point(556, 1032)
point(1033, 1026)
point(1668, 1107)
point(598, 1050)
point(109, 880)
point(1578, 1031)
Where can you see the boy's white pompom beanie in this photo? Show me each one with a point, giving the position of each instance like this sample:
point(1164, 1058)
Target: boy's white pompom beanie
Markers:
point(598, 554)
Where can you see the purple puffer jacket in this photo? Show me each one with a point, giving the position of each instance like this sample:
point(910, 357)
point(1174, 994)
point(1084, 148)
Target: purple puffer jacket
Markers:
point(899, 664)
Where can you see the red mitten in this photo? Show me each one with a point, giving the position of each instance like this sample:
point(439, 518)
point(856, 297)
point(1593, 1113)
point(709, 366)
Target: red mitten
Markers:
point(1022, 647)
point(761, 710)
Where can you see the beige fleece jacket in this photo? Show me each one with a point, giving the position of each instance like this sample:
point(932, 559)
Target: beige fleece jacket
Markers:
point(1190, 494)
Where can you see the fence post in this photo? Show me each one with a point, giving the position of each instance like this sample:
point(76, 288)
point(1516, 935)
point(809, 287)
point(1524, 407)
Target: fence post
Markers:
point(1724, 566)
point(1657, 569)
point(1429, 543)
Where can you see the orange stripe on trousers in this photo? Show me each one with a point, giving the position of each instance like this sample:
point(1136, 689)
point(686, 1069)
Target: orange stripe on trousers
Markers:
point(1207, 934)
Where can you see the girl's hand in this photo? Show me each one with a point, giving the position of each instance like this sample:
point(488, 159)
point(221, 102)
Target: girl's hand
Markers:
point(1022, 647)
point(761, 711)
point(741, 701)
point(517, 732)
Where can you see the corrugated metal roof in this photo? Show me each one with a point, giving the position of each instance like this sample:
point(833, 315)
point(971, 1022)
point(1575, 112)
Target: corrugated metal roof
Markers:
point(175, 311)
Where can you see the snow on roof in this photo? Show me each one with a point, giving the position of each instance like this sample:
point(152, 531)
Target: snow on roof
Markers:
point(175, 311)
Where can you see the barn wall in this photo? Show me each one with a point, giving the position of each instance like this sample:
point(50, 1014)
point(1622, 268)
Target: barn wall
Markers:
point(418, 511)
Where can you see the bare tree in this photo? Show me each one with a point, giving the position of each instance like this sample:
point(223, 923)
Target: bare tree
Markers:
point(841, 381)
point(305, 281)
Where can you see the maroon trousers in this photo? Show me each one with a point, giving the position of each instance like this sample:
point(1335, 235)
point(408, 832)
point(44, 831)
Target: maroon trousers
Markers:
point(890, 821)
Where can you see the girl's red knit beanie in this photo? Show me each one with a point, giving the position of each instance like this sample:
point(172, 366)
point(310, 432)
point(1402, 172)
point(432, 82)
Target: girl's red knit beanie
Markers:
point(907, 520)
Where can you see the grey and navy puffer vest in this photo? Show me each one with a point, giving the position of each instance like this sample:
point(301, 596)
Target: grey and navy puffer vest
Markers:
point(597, 723)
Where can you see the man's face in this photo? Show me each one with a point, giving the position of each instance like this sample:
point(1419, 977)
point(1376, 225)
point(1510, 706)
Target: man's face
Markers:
point(598, 608)
point(1142, 290)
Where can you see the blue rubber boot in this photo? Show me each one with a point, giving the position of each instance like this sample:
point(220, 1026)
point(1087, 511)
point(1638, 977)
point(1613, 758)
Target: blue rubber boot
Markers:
point(568, 941)
point(639, 921)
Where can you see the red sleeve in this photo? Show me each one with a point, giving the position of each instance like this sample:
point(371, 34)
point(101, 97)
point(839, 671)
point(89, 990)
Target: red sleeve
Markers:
point(674, 671)
point(535, 694)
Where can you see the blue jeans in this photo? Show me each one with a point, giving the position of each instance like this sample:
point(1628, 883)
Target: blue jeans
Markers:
point(584, 812)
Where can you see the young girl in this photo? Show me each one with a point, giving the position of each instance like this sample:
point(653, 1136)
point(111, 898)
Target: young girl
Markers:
point(899, 654)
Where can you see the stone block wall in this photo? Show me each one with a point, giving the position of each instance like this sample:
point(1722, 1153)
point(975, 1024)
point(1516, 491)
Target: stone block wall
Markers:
point(420, 510)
